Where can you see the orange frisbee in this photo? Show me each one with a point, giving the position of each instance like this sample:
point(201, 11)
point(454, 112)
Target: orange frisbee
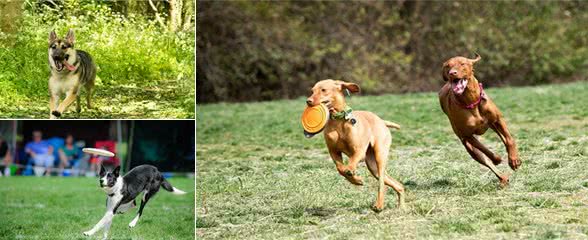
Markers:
point(314, 119)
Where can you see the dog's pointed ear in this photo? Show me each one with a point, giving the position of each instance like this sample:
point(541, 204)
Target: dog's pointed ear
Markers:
point(70, 37)
point(352, 87)
point(102, 170)
point(116, 171)
point(52, 36)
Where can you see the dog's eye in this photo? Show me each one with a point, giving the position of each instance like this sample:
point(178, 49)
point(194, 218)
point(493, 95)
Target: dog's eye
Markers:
point(53, 46)
point(64, 47)
point(323, 90)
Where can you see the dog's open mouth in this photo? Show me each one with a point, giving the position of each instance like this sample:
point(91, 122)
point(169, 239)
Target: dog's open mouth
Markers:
point(61, 64)
point(58, 65)
point(459, 85)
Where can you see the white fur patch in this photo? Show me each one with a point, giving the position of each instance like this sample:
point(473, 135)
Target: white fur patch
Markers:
point(178, 191)
point(134, 222)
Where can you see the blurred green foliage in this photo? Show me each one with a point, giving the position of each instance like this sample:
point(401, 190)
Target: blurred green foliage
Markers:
point(130, 50)
point(269, 50)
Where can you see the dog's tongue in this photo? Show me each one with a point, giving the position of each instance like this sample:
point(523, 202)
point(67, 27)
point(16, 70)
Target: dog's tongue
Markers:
point(69, 66)
point(459, 86)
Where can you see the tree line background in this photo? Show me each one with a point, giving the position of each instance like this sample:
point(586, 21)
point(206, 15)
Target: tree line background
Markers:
point(251, 51)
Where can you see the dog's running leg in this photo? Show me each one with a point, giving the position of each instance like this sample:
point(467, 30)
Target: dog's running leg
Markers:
point(370, 160)
point(381, 161)
point(496, 159)
point(511, 148)
point(89, 96)
point(53, 103)
point(479, 157)
point(106, 229)
point(78, 106)
point(146, 196)
point(342, 169)
point(69, 98)
point(106, 219)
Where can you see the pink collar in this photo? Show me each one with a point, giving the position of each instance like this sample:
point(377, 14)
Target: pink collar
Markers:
point(474, 104)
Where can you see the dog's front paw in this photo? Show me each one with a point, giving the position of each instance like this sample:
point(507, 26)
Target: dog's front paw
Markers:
point(349, 173)
point(377, 209)
point(514, 163)
point(56, 113)
point(88, 233)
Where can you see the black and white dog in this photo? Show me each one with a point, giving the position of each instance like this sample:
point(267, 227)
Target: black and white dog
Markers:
point(122, 191)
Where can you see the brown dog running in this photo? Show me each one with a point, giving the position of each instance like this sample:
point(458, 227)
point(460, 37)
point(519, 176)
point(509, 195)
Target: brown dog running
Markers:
point(359, 134)
point(471, 112)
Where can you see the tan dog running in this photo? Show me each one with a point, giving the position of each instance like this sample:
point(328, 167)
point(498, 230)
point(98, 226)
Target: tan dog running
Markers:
point(471, 112)
point(359, 134)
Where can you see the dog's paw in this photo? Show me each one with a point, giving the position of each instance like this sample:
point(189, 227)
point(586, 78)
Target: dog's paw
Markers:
point(514, 163)
point(504, 181)
point(56, 114)
point(132, 224)
point(88, 233)
point(355, 180)
point(377, 209)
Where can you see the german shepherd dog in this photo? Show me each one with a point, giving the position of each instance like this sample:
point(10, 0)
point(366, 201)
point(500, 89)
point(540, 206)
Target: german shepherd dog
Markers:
point(70, 70)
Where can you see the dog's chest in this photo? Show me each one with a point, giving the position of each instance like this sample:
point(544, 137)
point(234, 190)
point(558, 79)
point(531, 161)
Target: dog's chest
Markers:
point(63, 83)
point(111, 202)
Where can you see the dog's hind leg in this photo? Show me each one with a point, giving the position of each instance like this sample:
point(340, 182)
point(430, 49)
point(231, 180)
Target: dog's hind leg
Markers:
point(78, 106)
point(370, 160)
point(89, 95)
point(479, 157)
point(144, 201)
point(496, 159)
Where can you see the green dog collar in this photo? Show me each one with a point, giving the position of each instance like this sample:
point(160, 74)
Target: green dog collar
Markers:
point(346, 114)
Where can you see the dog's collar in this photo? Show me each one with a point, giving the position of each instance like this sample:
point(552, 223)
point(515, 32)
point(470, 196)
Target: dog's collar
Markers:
point(342, 115)
point(346, 114)
point(477, 102)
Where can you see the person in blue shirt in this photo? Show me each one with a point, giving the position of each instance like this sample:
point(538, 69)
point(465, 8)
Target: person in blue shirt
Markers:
point(41, 152)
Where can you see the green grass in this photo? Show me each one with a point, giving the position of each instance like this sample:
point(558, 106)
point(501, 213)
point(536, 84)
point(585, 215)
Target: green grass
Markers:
point(260, 178)
point(63, 208)
point(166, 99)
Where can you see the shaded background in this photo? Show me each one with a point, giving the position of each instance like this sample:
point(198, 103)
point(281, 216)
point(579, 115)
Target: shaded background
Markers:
point(168, 145)
point(251, 51)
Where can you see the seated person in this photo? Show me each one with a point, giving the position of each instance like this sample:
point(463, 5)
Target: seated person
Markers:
point(41, 152)
point(5, 157)
point(69, 154)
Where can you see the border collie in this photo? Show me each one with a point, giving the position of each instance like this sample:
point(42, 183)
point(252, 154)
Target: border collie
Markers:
point(122, 191)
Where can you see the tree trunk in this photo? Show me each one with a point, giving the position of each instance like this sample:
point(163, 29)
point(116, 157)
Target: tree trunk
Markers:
point(10, 13)
point(175, 14)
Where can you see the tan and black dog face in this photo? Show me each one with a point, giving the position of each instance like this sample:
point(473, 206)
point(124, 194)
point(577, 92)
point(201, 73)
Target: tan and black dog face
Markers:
point(330, 92)
point(61, 50)
point(458, 70)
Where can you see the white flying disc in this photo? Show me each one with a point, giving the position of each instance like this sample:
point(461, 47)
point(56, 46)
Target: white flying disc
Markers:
point(98, 151)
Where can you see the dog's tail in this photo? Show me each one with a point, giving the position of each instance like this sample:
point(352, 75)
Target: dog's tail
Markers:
point(167, 186)
point(392, 125)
